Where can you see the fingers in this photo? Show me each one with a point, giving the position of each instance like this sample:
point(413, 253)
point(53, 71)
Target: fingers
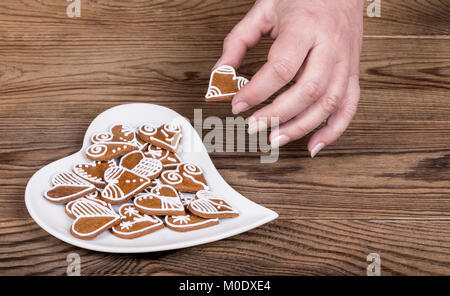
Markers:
point(310, 86)
point(284, 60)
point(246, 34)
point(319, 111)
point(339, 121)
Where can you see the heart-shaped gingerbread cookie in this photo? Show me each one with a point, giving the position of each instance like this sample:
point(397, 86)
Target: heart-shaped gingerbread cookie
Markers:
point(189, 222)
point(210, 205)
point(92, 217)
point(122, 185)
point(187, 177)
point(162, 200)
point(141, 165)
point(68, 187)
point(94, 172)
point(109, 145)
point(167, 136)
point(224, 84)
point(168, 159)
point(134, 224)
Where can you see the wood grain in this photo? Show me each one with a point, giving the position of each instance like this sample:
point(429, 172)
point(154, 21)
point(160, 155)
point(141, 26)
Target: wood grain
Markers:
point(383, 187)
point(284, 247)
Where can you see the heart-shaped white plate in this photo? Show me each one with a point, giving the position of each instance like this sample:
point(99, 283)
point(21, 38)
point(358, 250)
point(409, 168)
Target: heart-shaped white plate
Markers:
point(52, 218)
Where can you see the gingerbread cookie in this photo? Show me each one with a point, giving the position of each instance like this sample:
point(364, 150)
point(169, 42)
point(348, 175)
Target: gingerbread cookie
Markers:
point(166, 136)
point(209, 205)
point(189, 222)
point(167, 158)
point(134, 224)
point(68, 187)
point(162, 200)
point(109, 145)
point(141, 165)
point(93, 196)
point(186, 177)
point(92, 217)
point(93, 172)
point(122, 185)
point(224, 84)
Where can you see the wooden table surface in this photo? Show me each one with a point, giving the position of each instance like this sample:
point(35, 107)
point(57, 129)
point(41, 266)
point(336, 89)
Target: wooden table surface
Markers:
point(383, 188)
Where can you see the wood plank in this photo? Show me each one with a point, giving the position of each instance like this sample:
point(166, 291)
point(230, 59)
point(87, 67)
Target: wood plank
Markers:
point(194, 19)
point(71, 75)
point(282, 247)
point(375, 171)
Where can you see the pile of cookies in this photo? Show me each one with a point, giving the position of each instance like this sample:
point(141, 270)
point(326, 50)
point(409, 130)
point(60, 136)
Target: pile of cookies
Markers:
point(140, 170)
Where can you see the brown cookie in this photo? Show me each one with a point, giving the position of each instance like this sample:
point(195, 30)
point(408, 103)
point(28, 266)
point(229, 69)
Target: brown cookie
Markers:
point(186, 177)
point(189, 222)
point(92, 217)
point(119, 141)
point(162, 200)
point(141, 165)
point(134, 224)
point(94, 172)
point(209, 205)
point(224, 84)
point(166, 136)
point(68, 187)
point(122, 185)
point(169, 159)
point(94, 196)
point(109, 150)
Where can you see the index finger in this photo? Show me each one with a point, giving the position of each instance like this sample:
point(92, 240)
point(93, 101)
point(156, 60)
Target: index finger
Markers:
point(284, 60)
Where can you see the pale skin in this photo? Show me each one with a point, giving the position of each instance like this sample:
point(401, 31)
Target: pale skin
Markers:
point(317, 46)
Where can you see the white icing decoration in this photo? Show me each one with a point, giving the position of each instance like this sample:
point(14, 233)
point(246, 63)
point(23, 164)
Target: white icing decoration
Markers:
point(130, 211)
point(96, 150)
point(112, 191)
point(168, 203)
point(186, 219)
point(205, 204)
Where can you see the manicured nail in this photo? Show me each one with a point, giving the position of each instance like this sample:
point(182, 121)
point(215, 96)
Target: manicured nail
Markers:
point(239, 107)
point(255, 126)
point(317, 149)
point(279, 141)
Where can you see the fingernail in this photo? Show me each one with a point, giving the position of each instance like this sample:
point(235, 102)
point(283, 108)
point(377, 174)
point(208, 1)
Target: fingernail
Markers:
point(317, 149)
point(255, 126)
point(239, 107)
point(279, 141)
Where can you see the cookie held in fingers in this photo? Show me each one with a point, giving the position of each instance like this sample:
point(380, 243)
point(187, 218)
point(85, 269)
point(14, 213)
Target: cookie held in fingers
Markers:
point(68, 187)
point(189, 222)
point(167, 136)
point(94, 172)
point(141, 165)
point(224, 84)
point(186, 177)
point(135, 224)
point(122, 185)
point(92, 217)
point(162, 200)
point(209, 205)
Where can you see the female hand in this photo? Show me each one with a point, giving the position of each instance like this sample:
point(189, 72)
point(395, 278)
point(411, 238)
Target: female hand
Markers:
point(317, 45)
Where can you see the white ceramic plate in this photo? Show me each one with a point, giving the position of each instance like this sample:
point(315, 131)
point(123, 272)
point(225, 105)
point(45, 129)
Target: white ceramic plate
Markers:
point(52, 218)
